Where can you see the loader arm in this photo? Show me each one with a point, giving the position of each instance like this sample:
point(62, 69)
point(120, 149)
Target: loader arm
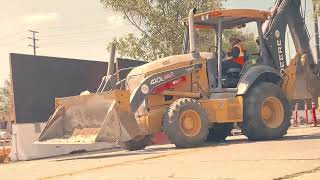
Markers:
point(301, 76)
point(151, 82)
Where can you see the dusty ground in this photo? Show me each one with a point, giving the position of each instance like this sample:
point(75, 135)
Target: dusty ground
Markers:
point(295, 157)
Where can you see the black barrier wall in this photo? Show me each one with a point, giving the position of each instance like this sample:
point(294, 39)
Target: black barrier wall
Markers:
point(38, 80)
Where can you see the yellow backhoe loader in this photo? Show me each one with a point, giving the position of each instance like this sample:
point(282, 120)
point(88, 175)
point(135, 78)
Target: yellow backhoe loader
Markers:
point(192, 97)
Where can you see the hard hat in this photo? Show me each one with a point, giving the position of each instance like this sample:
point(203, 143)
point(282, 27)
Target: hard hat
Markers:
point(234, 40)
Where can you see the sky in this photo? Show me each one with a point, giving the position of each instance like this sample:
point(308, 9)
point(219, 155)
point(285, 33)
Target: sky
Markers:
point(70, 28)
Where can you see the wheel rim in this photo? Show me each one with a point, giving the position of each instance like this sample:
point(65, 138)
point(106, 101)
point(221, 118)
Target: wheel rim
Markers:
point(190, 123)
point(272, 112)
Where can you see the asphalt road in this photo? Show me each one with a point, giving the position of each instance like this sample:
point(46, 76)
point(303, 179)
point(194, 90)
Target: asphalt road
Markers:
point(297, 156)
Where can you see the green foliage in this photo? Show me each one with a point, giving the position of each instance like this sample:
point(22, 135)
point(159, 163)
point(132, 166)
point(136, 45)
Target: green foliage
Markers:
point(5, 97)
point(317, 4)
point(158, 21)
point(248, 39)
point(161, 31)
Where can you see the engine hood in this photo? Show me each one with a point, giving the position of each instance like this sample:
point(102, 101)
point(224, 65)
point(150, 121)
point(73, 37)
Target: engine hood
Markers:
point(136, 76)
point(167, 62)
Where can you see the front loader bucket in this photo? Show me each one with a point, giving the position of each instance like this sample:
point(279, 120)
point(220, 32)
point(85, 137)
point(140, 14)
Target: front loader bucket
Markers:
point(100, 117)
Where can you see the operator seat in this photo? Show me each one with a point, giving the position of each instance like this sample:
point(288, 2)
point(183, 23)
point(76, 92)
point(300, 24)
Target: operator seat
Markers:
point(230, 74)
point(230, 66)
point(233, 70)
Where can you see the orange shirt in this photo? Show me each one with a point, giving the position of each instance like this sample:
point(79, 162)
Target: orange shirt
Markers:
point(240, 58)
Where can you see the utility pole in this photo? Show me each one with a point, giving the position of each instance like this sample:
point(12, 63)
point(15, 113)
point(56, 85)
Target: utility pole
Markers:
point(34, 40)
point(316, 30)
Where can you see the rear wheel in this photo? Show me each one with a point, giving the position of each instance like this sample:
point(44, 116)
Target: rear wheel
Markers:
point(219, 132)
point(266, 112)
point(138, 143)
point(186, 123)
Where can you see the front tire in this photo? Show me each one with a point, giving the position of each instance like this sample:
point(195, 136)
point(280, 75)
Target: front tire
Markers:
point(186, 123)
point(266, 112)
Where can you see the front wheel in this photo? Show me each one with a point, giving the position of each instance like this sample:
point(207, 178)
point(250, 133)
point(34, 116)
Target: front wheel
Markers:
point(266, 112)
point(186, 123)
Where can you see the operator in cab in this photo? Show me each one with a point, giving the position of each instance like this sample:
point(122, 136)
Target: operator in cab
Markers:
point(232, 67)
point(237, 52)
point(236, 56)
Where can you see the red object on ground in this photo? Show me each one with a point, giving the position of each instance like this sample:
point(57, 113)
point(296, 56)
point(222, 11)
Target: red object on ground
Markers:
point(160, 138)
point(314, 115)
point(306, 109)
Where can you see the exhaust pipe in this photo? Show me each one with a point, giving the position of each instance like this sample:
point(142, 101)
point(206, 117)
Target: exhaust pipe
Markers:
point(192, 12)
point(112, 60)
point(109, 81)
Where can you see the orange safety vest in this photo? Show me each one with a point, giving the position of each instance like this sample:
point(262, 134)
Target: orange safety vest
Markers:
point(240, 58)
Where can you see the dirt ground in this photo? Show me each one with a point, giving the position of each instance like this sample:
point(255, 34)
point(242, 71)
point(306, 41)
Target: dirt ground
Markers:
point(297, 156)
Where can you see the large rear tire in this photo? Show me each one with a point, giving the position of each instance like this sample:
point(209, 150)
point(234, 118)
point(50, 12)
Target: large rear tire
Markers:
point(266, 112)
point(138, 143)
point(186, 123)
point(219, 132)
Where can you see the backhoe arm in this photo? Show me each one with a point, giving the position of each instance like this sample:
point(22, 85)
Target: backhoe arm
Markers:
point(301, 74)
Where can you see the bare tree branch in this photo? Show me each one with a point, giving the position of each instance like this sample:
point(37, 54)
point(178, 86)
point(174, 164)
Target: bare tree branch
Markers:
point(134, 24)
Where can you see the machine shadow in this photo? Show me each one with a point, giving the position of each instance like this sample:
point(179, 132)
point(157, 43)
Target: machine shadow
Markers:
point(151, 150)
point(100, 156)
point(160, 149)
point(313, 136)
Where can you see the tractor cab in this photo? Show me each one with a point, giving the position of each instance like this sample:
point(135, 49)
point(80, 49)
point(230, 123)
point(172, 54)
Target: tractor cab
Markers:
point(223, 70)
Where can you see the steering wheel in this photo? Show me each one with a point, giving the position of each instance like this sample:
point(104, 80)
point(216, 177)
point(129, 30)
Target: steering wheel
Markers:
point(216, 50)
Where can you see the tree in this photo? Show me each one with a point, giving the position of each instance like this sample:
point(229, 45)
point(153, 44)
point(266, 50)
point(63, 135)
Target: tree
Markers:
point(158, 21)
point(5, 97)
point(161, 31)
point(316, 3)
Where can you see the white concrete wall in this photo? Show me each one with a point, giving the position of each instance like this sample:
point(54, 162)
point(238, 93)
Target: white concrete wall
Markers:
point(23, 147)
